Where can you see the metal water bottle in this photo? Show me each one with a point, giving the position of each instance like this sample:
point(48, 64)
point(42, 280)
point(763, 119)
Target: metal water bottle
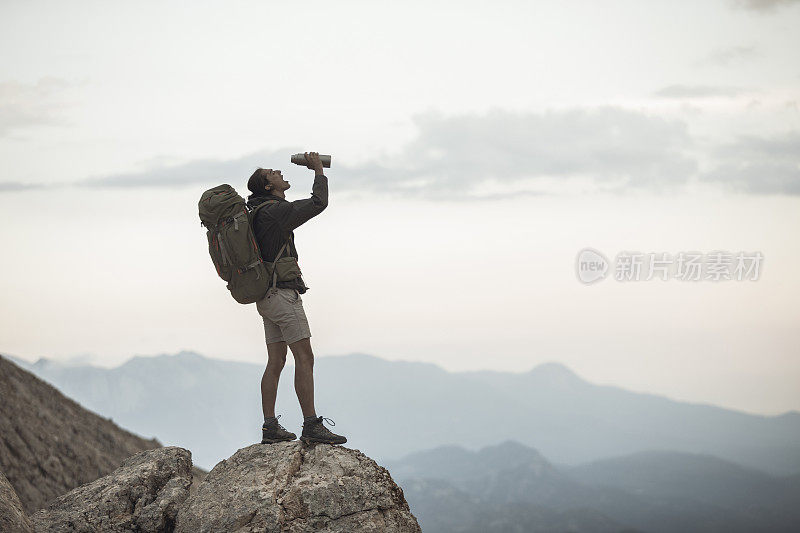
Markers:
point(300, 159)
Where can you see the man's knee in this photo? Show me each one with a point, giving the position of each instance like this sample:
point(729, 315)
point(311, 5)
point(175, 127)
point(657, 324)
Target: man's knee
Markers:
point(276, 355)
point(277, 362)
point(303, 355)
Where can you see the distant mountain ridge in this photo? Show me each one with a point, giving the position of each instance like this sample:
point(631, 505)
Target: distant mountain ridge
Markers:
point(672, 475)
point(513, 487)
point(390, 409)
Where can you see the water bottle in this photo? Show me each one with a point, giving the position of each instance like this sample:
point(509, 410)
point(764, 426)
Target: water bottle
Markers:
point(300, 159)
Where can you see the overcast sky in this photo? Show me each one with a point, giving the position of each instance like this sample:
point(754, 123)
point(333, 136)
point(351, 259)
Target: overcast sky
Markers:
point(477, 148)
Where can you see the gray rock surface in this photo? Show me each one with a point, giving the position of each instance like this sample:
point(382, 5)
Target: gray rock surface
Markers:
point(12, 517)
point(142, 495)
point(292, 487)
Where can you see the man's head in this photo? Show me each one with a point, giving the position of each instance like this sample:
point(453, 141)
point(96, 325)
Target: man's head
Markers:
point(266, 180)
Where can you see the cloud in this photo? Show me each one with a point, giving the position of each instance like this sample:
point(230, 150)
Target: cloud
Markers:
point(697, 91)
point(505, 154)
point(754, 164)
point(196, 172)
point(763, 5)
point(729, 56)
point(201, 172)
point(455, 156)
point(12, 186)
point(23, 105)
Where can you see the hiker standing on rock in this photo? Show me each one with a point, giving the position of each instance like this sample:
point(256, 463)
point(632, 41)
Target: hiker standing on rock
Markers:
point(285, 322)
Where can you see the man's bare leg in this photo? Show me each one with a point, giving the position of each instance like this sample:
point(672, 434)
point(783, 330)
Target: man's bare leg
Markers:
point(304, 375)
point(276, 353)
point(313, 429)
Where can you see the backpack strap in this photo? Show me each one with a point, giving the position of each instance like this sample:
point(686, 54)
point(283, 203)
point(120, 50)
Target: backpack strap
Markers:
point(262, 204)
point(275, 263)
point(286, 245)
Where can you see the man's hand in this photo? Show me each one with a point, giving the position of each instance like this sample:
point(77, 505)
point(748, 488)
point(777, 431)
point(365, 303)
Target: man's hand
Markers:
point(313, 162)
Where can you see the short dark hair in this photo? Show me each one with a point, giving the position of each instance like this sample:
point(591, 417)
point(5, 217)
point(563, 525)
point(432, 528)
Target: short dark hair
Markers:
point(258, 181)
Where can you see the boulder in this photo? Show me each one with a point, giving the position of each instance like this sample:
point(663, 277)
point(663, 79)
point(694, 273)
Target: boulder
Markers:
point(142, 495)
point(12, 517)
point(294, 487)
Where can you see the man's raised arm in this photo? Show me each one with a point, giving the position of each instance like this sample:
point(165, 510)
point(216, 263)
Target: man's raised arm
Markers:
point(293, 214)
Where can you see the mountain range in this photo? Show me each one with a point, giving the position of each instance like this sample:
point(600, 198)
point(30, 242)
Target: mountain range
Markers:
point(512, 487)
point(390, 409)
point(49, 443)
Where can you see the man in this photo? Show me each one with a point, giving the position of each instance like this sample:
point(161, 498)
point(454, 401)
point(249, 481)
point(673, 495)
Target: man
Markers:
point(285, 322)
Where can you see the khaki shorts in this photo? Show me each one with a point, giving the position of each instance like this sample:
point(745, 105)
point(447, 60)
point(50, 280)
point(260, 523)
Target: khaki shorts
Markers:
point(284, 318)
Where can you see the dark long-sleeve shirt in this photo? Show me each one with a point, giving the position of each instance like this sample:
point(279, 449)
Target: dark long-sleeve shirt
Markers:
point(274, 223)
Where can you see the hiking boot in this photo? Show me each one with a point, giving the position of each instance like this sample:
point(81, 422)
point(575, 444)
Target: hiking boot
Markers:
point(315, 431)
point(272, 432)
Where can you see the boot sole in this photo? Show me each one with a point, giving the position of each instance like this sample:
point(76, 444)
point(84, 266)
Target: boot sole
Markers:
point(273, 441)
point(311, 440)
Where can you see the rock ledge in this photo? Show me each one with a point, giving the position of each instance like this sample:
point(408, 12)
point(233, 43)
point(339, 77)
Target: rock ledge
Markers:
point(293, 487)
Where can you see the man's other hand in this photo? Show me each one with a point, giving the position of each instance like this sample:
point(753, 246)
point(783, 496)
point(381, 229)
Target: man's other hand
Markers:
point(313, 162)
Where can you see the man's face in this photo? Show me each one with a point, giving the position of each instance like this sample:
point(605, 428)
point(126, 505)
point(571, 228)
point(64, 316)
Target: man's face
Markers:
point(276, 181)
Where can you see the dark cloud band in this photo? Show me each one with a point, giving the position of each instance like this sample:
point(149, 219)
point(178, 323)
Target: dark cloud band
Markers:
point(454, 157)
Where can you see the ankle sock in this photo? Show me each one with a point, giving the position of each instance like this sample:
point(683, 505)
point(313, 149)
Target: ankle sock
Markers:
point(309, 418)
point(269, 419)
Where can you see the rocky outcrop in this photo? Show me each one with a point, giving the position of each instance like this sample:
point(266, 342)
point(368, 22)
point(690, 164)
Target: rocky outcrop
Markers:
point(292, 487)
point(142, 495)
point(12, 518)
point(49, 444)
point(287, 487)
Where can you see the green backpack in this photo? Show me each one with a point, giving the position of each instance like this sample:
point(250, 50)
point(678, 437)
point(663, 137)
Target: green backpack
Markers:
point(233, 247)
